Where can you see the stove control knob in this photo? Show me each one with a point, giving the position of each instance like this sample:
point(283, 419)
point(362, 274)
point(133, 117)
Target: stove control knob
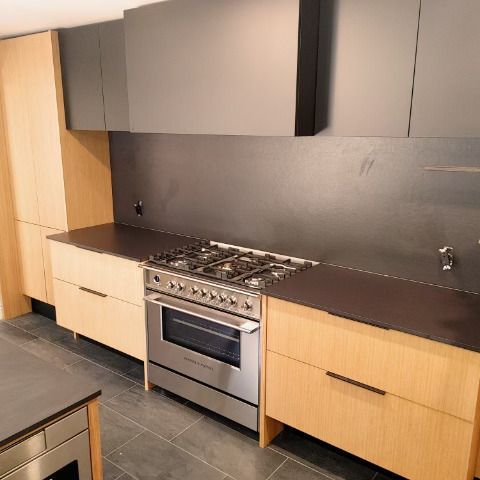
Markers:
point(203, 292)
point(232, 301)
point(248, 305)
point(213, 295)
point(194, 290)
point(171, 284)
point(222, 298)
point(156, 279)
point(180, 287)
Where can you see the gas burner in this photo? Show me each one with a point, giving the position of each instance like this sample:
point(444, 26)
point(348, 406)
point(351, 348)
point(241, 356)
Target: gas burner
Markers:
point(242, 267)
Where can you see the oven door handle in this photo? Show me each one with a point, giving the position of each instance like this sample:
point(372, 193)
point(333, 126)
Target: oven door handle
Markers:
point(216, 316)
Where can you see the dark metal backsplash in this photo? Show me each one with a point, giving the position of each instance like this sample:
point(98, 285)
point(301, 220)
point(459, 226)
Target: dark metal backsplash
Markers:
point(364, 203)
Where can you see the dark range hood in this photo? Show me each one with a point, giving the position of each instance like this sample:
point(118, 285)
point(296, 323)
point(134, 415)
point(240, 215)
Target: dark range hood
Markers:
point(229, 67)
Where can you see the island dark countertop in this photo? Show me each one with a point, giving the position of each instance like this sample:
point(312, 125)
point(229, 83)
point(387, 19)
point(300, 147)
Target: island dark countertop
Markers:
point(442, 314)
point(33, 393)
point(133, 243)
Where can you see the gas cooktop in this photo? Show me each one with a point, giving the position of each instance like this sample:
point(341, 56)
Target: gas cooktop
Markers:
point(238, 266)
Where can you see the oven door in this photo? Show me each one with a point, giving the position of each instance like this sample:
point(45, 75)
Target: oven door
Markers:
point(216, 348)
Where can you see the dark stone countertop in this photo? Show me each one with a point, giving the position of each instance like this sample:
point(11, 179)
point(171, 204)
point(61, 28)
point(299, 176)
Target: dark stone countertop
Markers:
point(441, 314)
point(33, 393)
point(133, 243)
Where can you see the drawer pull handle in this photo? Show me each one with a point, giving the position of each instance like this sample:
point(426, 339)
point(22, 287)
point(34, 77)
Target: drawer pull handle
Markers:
point(93, 292)
point(357, 384)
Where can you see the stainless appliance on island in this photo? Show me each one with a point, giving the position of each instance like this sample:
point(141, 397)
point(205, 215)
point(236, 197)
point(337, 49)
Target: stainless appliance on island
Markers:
point(203, 306)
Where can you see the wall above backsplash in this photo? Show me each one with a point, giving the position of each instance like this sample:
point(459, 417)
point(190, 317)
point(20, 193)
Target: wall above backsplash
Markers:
point(365, 203)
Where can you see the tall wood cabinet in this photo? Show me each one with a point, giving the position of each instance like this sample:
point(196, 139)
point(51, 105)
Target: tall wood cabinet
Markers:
point(60, 179)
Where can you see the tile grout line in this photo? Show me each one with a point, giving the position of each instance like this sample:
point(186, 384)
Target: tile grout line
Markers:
point(277, 469)
point(124, 472)
point(185, 429)
point(164, 439)
point(303, 464)
point(121, 446)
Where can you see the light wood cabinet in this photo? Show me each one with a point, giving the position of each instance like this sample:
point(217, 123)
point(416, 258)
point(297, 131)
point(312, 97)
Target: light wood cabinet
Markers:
point(60, 179)
point(100, 296)
point(411, 367)
point(117, 277)
point(407, 404)
point(107, 320)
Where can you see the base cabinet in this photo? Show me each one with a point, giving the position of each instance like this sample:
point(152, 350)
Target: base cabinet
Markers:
point(336, 395)
point(114, 323)
point(401, 436)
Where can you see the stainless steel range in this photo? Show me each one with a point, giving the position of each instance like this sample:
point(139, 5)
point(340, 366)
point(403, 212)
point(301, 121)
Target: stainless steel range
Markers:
point(203, 318)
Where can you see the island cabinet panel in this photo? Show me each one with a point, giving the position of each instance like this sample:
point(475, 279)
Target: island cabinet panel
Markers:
point(47, 263)
point(402, 436)
point(430, 373)
point(446, 95)
point(107, 320)
point(114, 276)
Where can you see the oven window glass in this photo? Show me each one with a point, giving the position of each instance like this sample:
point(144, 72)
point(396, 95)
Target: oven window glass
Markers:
point(202, 336)
point(70, 472)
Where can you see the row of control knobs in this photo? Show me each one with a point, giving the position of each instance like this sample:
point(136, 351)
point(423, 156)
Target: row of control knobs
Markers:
point(204, 293)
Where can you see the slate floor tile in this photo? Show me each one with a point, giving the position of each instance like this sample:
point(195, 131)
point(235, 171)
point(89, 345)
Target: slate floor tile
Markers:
point(154, 411)
point(14, 335)
point(116, 429)
point(321, 457)
point(112, 360)
point(111, 383)
point(76, 345)
point(51, 332)
point(291, 470)
point(387, 476)
point(137, 374)
point(125, 476)
point(51, 353)
point(31, 321)
point(111, 471)
point(229, 450)
point(149, 457)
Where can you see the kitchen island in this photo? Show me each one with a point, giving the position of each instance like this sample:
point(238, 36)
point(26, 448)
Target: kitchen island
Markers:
point(49, 420)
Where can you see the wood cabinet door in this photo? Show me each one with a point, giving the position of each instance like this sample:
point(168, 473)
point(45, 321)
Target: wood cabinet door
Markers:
point(368, 80)
point(18, 125)
point(446, 95)
point(32, 129)
point(29, 240)
point(47, 262)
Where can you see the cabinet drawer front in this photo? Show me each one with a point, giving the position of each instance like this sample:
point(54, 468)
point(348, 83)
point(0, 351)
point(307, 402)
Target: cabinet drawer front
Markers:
point(431, 373)
point(114, 276)
point(401, 436)
point(113, 322)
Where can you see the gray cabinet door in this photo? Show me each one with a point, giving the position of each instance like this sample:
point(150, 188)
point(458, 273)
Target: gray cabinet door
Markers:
point(114, 75)
point(372, 63)
point(213, 67)
point(82, 78)
point(446, 96)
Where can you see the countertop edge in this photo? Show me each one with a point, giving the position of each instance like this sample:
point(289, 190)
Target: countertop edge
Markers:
point(51, 418)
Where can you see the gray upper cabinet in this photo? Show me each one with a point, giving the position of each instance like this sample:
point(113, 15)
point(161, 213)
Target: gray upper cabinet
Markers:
point(446, 98)
point(369, 74)
point(114, 75)
point(82, 77)
point(94, 76)
point(225, 67)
